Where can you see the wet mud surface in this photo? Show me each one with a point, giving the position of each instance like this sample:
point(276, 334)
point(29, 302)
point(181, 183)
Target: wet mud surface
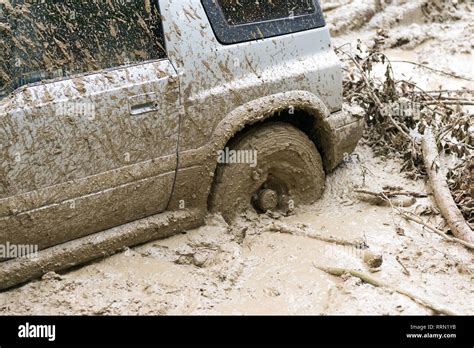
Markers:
point(255, 266)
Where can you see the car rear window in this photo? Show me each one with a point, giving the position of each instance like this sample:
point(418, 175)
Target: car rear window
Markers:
point(45, 39)
point(237, 12)
point(235, 21)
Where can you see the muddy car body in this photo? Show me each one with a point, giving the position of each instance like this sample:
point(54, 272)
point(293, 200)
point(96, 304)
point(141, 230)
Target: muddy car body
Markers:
point(93, 161)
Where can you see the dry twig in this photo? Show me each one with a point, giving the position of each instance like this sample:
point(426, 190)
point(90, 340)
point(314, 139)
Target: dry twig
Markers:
point(456, 76)
point(435, 230)
point(393, 193)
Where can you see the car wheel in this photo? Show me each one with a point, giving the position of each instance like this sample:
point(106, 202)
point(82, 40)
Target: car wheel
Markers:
point(287, 171)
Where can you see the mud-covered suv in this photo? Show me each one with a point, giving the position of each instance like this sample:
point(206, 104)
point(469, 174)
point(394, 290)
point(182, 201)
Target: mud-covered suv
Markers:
point(125, 121)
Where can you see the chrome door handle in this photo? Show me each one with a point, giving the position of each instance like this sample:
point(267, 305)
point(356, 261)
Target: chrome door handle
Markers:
point(144, 108)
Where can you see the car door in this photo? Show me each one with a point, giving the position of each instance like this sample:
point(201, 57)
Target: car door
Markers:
point(89, 114)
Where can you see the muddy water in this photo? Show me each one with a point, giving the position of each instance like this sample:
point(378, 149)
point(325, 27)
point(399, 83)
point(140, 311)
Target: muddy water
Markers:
point(245, 269)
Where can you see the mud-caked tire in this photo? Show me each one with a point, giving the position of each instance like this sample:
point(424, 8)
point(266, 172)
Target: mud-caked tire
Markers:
point(288, 172)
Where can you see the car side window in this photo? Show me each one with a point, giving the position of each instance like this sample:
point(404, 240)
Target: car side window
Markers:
point(50, 38)
point(235, 21)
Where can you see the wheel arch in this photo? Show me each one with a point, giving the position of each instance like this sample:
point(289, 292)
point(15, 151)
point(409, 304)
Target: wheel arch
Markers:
point(303, 109)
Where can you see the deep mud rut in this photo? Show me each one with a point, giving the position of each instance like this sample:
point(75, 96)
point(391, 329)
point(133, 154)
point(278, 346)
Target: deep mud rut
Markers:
point(248, 269)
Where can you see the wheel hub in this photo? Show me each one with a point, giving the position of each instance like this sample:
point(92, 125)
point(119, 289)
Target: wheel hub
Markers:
point(267, 200)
